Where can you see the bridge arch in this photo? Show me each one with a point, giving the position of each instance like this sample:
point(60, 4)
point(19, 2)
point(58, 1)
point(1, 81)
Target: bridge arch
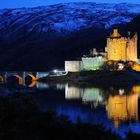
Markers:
point(33, 77)
point(20, 79)
point(33, 84)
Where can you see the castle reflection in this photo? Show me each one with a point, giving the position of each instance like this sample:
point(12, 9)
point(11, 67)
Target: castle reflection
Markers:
point(87, 94)
point(122, 108)
point(121, 104)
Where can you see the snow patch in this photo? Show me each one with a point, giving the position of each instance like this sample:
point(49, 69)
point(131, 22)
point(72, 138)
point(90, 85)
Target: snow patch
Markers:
point(67, 17)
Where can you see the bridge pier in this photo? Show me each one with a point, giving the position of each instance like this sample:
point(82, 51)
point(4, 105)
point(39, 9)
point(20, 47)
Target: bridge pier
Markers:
point(21, 81)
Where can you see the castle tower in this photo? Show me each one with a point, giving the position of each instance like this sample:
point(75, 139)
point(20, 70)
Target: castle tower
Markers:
point(121, 48)
point(132, 48)
point(116, 47)
point(115, 34)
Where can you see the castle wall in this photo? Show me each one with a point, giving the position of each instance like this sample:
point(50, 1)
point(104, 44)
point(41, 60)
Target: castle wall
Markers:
point(121, 48)
point(116, 49)
point(73, 66)
point(132, 49)
point(93, 63)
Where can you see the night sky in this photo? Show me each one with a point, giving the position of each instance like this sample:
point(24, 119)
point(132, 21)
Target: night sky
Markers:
point(33, 3)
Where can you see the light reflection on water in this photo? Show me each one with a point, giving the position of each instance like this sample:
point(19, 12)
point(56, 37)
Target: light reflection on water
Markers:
point(116, 108)
point(121, 107)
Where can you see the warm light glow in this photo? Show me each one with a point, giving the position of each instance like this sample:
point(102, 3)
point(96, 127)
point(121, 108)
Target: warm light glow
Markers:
point(33, 77)
point(136, 67)
point(122, 108)
point(115, 33)
point(33, 84)
point(20, 79)
point(136, 89)
point(121, 48)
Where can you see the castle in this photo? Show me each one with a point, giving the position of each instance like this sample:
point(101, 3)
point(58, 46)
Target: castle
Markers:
point(121, 48)
point(118, 48)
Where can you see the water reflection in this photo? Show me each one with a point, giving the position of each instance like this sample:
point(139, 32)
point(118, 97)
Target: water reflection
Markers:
point(29, 84)
point(72, 92)
point(88, 95)
point(122, 108)
point(33, 84)
point(121, 104)
point(38, 85)
point(110, 106)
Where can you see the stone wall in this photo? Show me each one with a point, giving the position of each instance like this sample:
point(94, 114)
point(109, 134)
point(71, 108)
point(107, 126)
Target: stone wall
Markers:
point(93, 63)
point(73, 66)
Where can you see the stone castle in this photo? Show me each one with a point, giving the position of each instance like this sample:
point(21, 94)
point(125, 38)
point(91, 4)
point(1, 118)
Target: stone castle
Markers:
point(121, 48)
point(118, 49)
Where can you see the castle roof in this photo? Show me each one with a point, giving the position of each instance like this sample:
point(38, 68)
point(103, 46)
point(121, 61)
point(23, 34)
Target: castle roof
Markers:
point(115, 34)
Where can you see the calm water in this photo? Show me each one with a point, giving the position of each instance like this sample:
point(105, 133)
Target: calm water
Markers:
point(116, 108)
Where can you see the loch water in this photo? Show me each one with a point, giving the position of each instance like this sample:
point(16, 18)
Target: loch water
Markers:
point(115, 107)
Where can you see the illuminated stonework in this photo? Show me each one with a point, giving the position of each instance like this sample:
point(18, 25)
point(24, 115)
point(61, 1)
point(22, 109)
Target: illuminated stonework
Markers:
point(118, 49)
point(93, 63)
point(123, 108)
point(121, 48)
point(136, 67)
point(73, 66)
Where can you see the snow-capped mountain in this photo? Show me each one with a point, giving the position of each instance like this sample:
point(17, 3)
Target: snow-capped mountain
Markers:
point(28, 36)
point(66, 17)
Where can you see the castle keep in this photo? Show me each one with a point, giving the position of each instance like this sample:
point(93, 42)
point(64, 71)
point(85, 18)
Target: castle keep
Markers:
point(118, 48)
point(121, 48)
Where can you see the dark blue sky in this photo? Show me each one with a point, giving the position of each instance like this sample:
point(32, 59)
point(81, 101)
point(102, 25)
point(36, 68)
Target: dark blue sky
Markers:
point(33, 3)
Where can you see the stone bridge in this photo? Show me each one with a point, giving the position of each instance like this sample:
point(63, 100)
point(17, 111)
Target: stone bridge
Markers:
point(21, 76)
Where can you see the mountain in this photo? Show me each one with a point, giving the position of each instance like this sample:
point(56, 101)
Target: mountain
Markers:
point(41, 38)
